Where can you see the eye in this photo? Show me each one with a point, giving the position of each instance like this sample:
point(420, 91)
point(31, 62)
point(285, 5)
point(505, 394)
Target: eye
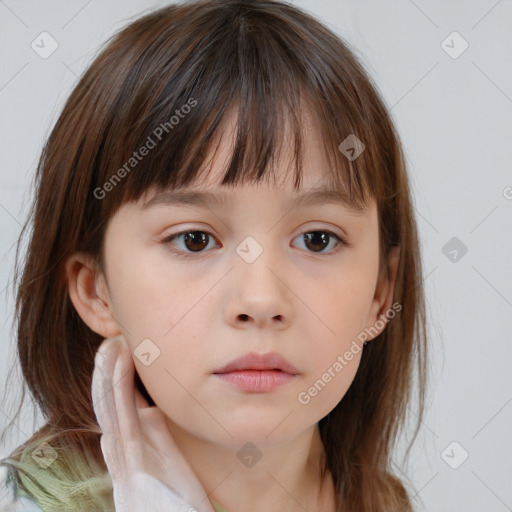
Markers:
point(320, 240)
point(196, 241)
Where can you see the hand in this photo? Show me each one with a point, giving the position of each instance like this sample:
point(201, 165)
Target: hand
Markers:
point(148, 470)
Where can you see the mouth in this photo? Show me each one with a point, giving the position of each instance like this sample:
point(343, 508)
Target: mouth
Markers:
point(255, 361)
point(256, 381)
point(258, 373)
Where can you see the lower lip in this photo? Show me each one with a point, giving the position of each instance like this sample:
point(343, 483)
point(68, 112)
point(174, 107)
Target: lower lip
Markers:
point(257, 381)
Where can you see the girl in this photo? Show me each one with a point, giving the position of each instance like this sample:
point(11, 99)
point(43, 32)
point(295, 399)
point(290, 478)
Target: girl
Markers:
point(224, 201)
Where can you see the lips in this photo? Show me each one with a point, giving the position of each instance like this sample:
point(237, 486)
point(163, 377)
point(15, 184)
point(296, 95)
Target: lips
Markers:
point(255, 361)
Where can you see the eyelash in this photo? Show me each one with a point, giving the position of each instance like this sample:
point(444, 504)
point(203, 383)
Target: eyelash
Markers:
point(341, 242)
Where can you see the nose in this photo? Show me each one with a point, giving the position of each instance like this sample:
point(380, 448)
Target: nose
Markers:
point(259, 295)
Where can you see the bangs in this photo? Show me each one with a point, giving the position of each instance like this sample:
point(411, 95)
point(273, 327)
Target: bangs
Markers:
point(187, 77)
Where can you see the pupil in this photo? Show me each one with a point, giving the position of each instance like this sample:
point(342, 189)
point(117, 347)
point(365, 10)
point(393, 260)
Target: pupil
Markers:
point(318, 238)
point(197, 237)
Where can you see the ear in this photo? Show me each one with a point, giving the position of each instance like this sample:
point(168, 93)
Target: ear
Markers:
point(89, 293)
point(383, 297)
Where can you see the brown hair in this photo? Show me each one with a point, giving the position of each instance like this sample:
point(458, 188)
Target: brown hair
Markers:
point(267, 60)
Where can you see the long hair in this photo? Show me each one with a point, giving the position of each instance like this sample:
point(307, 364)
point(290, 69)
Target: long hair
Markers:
point(166, 82)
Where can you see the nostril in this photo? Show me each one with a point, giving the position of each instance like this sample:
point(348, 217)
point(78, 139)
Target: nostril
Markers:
point(244, 317)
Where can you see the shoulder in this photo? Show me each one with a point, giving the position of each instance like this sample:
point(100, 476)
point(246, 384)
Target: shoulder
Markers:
point(9, 501)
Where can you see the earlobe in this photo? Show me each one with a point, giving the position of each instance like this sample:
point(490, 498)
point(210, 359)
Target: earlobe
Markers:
point(89, 295)
point(383, 298)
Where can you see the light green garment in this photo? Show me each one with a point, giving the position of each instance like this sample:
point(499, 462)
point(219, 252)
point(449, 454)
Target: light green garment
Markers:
point(217, 507)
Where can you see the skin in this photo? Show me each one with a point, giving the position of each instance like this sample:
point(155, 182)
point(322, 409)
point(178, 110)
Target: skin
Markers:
point(307, 304)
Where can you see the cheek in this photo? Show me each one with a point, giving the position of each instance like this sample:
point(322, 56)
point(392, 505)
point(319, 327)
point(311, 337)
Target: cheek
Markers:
point(338, 310)
point(157, 312)
point(146, 302)
point(341, 308)
point(171, 371)
point(155, 303)
point(321, 395)
point(333, 364)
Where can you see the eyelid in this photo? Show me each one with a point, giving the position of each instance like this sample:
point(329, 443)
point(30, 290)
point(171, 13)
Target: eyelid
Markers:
point(341, 240)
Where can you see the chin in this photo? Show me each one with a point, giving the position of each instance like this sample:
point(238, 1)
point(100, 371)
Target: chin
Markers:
point(263, 435)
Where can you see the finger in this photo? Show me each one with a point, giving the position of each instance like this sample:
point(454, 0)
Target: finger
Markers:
point(132, 424)
point(106, 412)
point(174, 468)
point(101, 389)
point(114, 459)
point(124, 392)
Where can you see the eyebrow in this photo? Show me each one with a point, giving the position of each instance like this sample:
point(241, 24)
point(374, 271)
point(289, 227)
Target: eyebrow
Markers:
point(312, 197)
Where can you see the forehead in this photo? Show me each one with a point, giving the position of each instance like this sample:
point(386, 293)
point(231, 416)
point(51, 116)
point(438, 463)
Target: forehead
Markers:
point(316, 166)
point(225, 198)
point(319, 185)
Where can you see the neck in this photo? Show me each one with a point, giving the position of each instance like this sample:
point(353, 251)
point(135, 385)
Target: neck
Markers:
point(286, 477)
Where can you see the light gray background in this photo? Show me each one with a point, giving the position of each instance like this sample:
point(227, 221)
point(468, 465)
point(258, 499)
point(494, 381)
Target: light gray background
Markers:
point(454, 116)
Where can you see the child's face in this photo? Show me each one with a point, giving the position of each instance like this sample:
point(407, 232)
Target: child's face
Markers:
point(299, 298)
